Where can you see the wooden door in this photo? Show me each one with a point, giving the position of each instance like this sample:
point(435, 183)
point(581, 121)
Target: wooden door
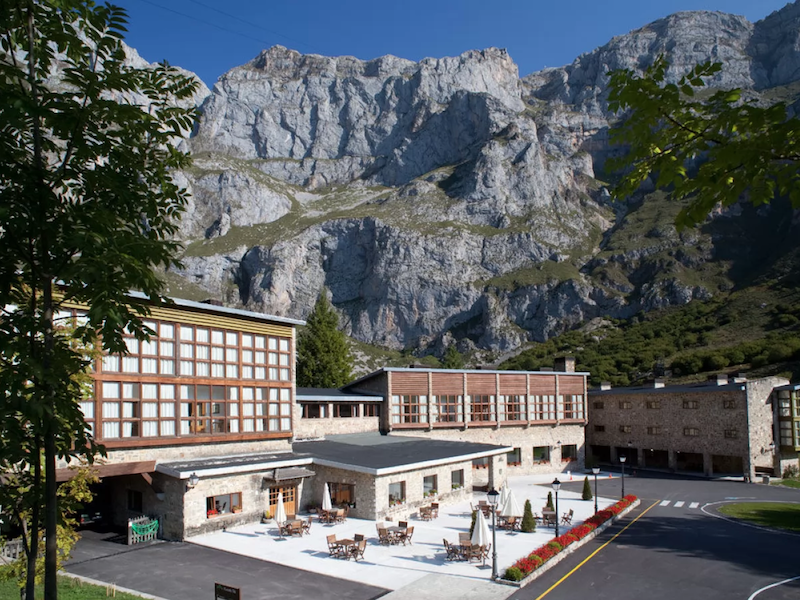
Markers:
point(289, 499)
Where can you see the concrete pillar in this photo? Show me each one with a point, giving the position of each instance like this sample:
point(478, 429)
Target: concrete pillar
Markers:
point(614, 457)
point(707, 464)
point(672, 460)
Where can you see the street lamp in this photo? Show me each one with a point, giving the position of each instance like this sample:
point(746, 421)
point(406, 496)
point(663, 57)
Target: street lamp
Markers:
point(193, 481)
point(622, 461)
point(595, 472)
point(492, 496)
point(556, 486)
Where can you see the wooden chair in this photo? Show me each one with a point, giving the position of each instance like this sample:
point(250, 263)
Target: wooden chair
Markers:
point(434, 510)
point(509, 523)
point(453, 552)
point(425, 513)
point(334, 549)
point(473, 551)
point(358, 550)
point(405, 536)
point(358, 537)
point(403, 524)
point(384, 537)
point(566, 518)
point(307, 525)
point(296, 528)
point(464, 538)
point(345, 512)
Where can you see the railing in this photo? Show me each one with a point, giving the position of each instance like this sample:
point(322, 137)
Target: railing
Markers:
point(11, 550)
point(142, 529)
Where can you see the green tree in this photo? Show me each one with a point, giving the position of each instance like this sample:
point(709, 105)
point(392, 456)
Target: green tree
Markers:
point(528, 522)
point(706, 149)
point(323, 352)
point(587, 489)
point(88, 207)
point(550, 501)
point(452, 359)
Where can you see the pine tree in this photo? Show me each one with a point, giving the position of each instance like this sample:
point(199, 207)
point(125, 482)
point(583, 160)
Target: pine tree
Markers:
point(323, 353)
point(528, 522)
point(452, 359)
point(587, 489)
point(550, 500)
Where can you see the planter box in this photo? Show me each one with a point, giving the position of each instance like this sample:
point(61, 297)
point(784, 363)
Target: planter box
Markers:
point(568, 550)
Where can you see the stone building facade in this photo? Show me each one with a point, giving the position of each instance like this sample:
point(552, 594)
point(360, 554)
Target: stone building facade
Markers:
point(718, 427)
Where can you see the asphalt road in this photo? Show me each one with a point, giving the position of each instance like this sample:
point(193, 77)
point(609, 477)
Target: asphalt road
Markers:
point(678, 549)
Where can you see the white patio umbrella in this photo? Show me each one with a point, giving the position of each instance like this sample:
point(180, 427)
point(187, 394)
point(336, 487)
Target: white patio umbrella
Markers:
point(481, 535)
point(511, 507)
point(280, 511)
point(326, 498)
point(504, 489)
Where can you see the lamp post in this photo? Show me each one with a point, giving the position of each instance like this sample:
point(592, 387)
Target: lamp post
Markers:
point(622, 461)
point(556, 486)
point(193, 481)
point(595, 472)
point(492, 498)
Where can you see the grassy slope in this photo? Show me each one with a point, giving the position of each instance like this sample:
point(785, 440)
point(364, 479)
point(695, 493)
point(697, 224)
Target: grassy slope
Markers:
point(780, 515)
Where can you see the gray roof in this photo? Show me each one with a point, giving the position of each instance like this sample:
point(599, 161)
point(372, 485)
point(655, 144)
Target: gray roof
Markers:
point(241, 463)
point(334, 395)
point(705, 387)
point(383, 454)
point(788, 388)
point(426, 370)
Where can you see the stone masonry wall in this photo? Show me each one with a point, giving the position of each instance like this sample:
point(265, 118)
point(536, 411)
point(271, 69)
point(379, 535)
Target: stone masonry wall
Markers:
point(313, 428)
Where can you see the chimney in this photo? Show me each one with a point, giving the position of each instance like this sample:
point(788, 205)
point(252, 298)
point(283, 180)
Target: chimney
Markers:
point(605, 385)
point(564, 364)
point(740, 377)
point(719, 379)
point(658, 383)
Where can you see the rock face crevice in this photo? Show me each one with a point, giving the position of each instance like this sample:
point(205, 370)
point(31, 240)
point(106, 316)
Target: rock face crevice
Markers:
point(448, 200)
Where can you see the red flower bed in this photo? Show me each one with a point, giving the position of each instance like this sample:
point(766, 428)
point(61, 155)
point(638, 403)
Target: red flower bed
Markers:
point(525, 566)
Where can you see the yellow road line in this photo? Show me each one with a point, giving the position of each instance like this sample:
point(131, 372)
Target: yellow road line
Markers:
point(584, 561)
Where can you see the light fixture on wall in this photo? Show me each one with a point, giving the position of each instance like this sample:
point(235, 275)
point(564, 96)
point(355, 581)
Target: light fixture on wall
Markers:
point(194, 479)
point(770, 448)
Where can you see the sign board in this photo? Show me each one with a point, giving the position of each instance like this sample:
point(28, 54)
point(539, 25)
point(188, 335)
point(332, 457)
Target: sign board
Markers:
point(226, 592)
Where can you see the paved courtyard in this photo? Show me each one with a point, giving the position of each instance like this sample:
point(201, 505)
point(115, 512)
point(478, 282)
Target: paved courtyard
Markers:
point(396, 566)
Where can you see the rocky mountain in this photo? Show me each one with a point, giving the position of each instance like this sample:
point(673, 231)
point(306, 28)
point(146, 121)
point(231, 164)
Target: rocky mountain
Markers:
point(449, 201)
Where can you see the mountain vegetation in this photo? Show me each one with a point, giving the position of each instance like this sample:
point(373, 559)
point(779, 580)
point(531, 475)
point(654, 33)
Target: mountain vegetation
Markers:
point(324, 359)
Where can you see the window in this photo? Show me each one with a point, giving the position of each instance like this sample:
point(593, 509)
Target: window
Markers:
point(409, 409)
point(625, 405)
point(430, 486)
point(345, 411)
point(731, 434)
point(224, 504)
point(690, 404)
point(691, 431)
point(457, 479)
point(654, 404)
point(314, 411)
point(542, 408)
point(541, 455)
point(342, 493)
point(135, 501)
point(729, 404)
point(599, 428)
point(480, 463)
point(513, 408)
point(397, 493)
point(514, 458)
point(569, 452)
point(599, 405)
point(372, 410)
point(572, 406)
point(449, 409)
point(482, 408)
point(653, 430)
point(624, 428)
point(266, 409)
point(785, 430)
point(784, 406)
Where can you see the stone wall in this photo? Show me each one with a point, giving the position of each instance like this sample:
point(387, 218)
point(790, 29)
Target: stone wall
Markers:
point(314, 428)
point(761, 422)
point(177, 452)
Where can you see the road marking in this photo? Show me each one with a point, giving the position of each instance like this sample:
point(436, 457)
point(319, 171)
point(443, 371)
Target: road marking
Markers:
point(679, 503)
point(664, 503)
point(585, 560)
point(694, 505)
point(757, 592)
point(743, 523)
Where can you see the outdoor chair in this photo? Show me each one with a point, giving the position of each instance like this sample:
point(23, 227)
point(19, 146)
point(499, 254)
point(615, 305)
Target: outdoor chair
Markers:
point(403, 524)
point(464, 538)
point(307, 525)
point(425, 513)
point(334, 549)
point(453, 552)
point(296, 528)
point(434, 510)
point(358, 550)
point(344, 512)
point(510, 523)
point(566, 518)
point(384, 537)
point(358, 537)
point(405, 536)
point(473, 551)
point(340, 516)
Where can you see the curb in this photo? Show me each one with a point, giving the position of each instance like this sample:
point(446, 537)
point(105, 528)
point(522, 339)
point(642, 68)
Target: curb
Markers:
point(569, 550)
point(110, 586)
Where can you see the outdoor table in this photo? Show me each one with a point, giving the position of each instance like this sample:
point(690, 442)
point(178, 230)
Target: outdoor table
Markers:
point(549, 517)
point(346, 543)
point(325, 516)
point(395, 531)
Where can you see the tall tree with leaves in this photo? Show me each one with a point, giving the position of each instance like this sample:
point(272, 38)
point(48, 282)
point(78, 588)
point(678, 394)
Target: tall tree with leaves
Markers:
point(88, 208)
point(706, 148)
point(324, 359)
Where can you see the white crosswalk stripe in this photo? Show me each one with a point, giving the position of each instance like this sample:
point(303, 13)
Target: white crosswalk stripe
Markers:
point(679, 504)
point(694, 505)
point(664, 503)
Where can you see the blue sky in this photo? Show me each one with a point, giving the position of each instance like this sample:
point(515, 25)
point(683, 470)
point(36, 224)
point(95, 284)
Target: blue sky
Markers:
point(210, 37)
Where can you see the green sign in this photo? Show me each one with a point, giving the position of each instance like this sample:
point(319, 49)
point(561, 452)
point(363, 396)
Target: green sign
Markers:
point(226, 592)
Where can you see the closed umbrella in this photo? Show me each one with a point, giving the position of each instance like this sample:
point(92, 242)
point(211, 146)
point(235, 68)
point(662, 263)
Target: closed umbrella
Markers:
point(326, 498)
point(511, 507)
point(503, 495)
point(480, 535)
point(280, 511)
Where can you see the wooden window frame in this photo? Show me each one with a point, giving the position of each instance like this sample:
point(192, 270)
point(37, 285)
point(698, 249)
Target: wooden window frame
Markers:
point(446, 402)
point(481, 411)
point(213, 511)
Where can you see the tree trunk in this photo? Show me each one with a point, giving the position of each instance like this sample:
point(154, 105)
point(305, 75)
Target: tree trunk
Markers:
point(51, 487)
point(33, 532)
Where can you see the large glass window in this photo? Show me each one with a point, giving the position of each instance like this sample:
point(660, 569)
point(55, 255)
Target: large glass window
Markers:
point(541, 455)
point(409, 409)
point(572, 406)
point(449, 409)
point(482, 408)
point(569, 453)
point(542, 408)
point(457, 479)
point(397, 493)
point(513, 408)
point(514, 458)
point(430, 486)
point(223, 504)
point(342, 493)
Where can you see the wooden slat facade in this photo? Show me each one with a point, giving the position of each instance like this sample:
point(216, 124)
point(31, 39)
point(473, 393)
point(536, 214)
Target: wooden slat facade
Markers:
point(513, 384)
point(481, 384)
point(447, 384)
point(570, 384)
point(410, 384)
point(542, 385)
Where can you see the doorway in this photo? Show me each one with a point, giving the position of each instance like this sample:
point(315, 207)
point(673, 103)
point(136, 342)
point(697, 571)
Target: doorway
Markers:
point(289, 499)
